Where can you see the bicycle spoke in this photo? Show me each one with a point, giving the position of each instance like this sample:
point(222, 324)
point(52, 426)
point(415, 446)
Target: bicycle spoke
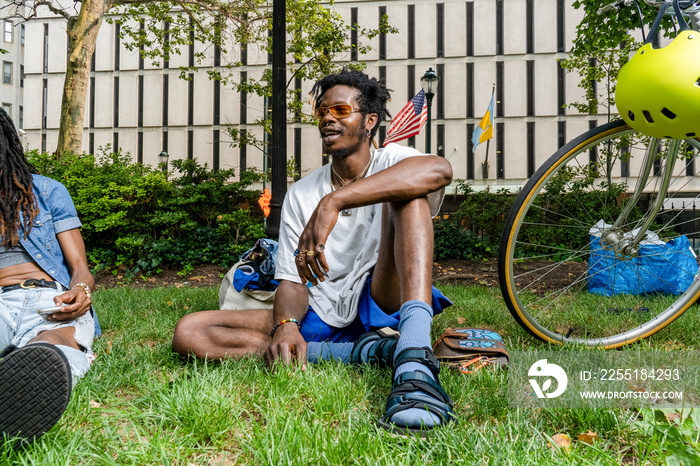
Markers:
point(551, 228)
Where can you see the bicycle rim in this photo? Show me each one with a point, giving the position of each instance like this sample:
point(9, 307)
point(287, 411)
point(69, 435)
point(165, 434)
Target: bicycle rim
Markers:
point(604, 295)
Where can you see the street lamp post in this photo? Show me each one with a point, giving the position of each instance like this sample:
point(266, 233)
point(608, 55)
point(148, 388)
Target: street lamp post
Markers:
point(429, 84)
point(163, 162)
point(278, 138)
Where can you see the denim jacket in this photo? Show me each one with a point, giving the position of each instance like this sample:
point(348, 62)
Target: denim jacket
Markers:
point(57, 214)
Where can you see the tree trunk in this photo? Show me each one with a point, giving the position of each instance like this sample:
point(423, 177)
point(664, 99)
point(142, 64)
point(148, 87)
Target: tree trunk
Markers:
point(82, 33)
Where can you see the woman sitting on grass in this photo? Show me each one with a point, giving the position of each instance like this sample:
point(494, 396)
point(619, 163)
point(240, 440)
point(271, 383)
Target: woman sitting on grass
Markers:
point(42, 265)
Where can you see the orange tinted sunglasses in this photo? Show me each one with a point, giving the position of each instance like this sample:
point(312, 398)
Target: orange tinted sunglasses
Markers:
point(338, 111)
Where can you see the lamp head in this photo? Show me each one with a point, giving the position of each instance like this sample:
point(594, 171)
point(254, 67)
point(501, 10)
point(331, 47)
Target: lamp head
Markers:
point(163, 157)
point(429, 82)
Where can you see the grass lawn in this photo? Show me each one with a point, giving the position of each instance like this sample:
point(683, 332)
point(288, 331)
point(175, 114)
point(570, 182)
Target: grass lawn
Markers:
point(140, 404)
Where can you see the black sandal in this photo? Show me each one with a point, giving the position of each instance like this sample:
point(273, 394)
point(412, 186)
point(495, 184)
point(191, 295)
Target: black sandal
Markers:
point(403, 395)
point(35, 387)
point(381, 353)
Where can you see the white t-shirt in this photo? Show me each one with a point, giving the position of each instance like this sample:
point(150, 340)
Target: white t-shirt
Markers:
point(352, 249)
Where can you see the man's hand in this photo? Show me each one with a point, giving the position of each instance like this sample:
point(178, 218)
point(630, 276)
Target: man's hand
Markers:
point(76, 304)
point(311, 259)
point(287, 346)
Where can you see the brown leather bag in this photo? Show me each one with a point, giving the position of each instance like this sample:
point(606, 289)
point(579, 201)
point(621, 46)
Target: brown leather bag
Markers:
point(470, 349)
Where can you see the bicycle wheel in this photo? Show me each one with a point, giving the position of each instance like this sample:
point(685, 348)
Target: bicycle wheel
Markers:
point(569, 268)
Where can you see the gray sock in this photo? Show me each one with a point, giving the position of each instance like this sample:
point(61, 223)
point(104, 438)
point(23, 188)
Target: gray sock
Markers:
point(325, 350)
point(414, 326)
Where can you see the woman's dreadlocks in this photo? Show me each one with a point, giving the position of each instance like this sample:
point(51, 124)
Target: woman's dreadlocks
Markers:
point(17, 204)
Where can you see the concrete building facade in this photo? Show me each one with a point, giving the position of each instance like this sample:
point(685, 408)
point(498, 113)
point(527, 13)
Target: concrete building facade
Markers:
point(12, 91)
point(475, 46)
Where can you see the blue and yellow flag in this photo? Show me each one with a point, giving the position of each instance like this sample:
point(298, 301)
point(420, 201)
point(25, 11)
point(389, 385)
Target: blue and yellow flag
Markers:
point(484, 131)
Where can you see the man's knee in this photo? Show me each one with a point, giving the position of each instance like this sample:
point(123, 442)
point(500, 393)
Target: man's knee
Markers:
point(411, 220)
point(186, 333)
point(417, 208)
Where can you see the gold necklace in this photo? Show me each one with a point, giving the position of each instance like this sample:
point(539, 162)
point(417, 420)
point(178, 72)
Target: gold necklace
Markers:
point(342, 182)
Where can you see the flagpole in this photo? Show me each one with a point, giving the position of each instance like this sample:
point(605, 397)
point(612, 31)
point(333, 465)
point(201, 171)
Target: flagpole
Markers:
point(427, 132)
point(485, 165)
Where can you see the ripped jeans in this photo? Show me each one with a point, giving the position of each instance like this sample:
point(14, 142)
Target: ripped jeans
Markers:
point(20, 323)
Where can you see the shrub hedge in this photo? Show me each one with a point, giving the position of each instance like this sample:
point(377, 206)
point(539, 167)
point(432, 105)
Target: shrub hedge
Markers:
point(455, 242)
point(138, 219)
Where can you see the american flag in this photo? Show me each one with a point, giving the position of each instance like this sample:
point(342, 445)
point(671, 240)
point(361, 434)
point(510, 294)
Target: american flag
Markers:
point(409, 121)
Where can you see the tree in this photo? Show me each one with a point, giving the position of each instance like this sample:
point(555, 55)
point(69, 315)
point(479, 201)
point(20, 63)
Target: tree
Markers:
point(603, 44)
point(163, 28)
point(318, 42)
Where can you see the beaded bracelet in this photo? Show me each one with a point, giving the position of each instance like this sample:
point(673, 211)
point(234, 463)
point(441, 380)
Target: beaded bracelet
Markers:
point(274, 329)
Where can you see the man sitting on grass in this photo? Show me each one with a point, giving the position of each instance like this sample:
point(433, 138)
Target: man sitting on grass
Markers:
point(42, 265)
point(355, 254)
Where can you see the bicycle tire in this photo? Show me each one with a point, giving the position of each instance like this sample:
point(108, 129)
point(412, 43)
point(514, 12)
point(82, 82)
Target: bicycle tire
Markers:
point(541, 237)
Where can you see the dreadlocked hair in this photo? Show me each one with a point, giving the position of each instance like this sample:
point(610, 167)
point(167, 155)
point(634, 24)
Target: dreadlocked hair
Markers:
point(18, 206)
point(372, 98)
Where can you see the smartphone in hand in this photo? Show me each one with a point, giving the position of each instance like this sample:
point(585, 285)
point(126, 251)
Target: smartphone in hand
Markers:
point(49, 310)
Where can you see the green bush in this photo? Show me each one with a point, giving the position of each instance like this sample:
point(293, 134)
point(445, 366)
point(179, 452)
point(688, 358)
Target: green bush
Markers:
point(137, 221)
point(454, 242)
point(485, 212)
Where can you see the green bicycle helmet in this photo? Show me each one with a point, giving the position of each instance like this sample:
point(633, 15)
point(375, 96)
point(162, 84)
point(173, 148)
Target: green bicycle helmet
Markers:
point(658, 90)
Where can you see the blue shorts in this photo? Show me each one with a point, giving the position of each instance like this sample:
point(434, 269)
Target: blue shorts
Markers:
point(369, 316)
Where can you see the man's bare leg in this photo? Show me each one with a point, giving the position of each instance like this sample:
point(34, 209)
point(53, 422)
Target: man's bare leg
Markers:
point(404, 270)
point(403, 280)
point(223, 334)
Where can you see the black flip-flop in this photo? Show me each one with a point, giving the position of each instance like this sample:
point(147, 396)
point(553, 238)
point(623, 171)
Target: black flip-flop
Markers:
point(35, 387)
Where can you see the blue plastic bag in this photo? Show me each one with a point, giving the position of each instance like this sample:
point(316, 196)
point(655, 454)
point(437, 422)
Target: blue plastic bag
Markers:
point(667, 268)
